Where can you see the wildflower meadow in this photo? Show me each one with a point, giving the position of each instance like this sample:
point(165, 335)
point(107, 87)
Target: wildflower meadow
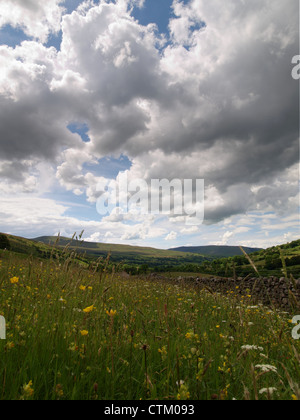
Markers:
point(76, 332)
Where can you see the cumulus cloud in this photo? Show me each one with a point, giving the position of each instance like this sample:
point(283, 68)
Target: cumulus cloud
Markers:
point(216, 102)
point(38, 18)
point(33, 216)
point(32, 118)
point(171, 236)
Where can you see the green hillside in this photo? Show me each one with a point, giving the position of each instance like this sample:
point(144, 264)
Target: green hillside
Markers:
point(23, 246)
point(126, 256)
point(96, 249)
point(216, 251)
point(275, 261)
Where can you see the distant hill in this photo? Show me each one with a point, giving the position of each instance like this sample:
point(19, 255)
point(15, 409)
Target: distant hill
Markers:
point(212, 260)
point(131, 254)
point(98, 249)
point(124, 253)
point(216, 251)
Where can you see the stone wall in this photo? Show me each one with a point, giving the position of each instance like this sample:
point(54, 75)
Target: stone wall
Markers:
point(279, 292)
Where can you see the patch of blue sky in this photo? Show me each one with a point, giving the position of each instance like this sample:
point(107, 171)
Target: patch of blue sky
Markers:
point(80, 209)
point(12, 36)
point(160, 12)
point(76, 206)
point(71, 5)
point(80, 128)
point(156, 11)
point(109, 167)
point(54, 40)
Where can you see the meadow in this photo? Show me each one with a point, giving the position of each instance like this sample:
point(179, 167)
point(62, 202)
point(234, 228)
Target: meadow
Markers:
point(74, 333)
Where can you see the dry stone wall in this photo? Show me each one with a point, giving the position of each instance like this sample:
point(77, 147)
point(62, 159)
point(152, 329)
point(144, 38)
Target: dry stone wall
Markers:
point(279, 292)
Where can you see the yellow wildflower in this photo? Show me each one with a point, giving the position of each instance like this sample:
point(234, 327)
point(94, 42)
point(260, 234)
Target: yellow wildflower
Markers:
point(10, 345)
point(14, 280)
point(88, 309)
point(59, 390)
point(28, 391)
point(111, 313)
point(183, 393)
point(73, 347)
point(163, 351)
point(84, 333)
point(190, 335)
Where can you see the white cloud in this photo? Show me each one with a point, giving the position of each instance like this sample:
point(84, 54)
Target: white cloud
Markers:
point(30, 211)
point(95, 237)
point(38, 18)
point(190, 230)
point(34, 216)
point(216, 103)
point(225, 238)
point(172, 236)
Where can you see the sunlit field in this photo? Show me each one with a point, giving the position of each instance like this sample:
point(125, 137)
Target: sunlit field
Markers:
point(74, 333)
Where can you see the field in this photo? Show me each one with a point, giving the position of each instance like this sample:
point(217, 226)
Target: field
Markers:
point(77, 333)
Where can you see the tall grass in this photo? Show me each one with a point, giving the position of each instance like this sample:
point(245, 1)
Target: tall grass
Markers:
point(77, 333)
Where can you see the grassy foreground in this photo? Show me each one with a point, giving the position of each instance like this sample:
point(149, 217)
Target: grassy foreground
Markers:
point(79, 334)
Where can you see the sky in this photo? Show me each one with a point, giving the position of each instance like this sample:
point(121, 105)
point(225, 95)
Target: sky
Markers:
point(154, 89)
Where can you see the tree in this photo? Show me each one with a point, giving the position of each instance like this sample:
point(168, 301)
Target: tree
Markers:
point(293, 261)
point(4, 242)
point(273, 262)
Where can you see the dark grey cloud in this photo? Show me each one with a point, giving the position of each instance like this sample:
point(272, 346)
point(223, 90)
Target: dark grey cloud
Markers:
point(14, 170)
point(27, 133)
